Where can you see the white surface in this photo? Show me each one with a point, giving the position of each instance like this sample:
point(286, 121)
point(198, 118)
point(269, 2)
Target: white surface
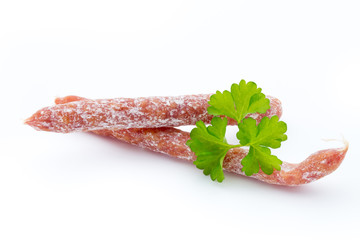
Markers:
point(79, 186)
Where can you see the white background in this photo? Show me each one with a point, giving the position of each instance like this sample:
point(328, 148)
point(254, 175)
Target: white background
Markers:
point(79, 186)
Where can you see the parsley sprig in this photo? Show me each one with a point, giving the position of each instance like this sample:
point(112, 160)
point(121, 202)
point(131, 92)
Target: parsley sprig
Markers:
point(209, 143)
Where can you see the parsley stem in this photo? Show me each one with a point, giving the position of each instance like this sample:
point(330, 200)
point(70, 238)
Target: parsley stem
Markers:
point(235, 146)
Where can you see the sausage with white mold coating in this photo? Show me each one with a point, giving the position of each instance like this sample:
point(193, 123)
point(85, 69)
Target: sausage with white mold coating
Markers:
point(172, 141)
point(74, 113)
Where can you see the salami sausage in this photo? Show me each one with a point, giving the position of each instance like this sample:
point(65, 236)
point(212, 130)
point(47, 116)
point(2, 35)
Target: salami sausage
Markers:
point(74, 113)
point(172, 141)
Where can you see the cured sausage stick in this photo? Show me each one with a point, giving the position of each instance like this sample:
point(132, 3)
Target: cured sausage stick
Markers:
point(172, 141)
point(147, 112)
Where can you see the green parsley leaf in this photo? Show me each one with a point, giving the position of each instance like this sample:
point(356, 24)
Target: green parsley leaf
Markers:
point(243, 99)
point(210, 147)
point(209, 143)
point(269, 133)
point(260, 156)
